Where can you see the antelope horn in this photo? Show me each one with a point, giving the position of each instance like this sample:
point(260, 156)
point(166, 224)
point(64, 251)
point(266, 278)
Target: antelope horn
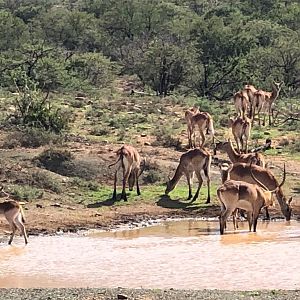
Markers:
point(284, 176)
point(256, 180)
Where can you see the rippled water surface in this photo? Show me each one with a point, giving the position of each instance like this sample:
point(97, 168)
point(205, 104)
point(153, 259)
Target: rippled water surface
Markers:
point(178, 254)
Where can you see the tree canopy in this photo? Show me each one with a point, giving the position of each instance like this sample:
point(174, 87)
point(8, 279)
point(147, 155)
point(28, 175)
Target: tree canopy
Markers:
point(209, 48)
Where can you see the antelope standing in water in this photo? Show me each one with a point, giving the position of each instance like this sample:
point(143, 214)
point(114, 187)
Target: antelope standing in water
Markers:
point(243, 195)
point(190, 127)
point(14, 214)
point(242, 172)
point(205, 124)
point(241, 129)
point(129, 161)
point(224, 170)
point(193, 161)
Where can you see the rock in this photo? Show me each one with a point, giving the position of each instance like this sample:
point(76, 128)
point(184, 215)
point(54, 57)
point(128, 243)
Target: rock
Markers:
point(80, 98)
point(284, 141)
point(39, 205)
point(56, 205)
point(71, 208)
point(147, 144)
point(121, 296)
point(143, 134)
point(81, 94)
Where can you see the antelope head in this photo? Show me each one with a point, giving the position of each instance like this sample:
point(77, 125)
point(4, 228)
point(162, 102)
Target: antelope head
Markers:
point(131, 178)
point(287, 210)
point(278, 85)
point(287, 202)
point(169, 186)
point(222, 145)
point(225, 168)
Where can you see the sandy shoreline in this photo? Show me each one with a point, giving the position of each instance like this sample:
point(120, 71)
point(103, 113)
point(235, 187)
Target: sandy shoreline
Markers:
point(143, 294)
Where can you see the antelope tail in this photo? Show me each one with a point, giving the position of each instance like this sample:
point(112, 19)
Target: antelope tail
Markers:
point(113, 164)
point(22, 213)
point(210, 126)
point(143, 166)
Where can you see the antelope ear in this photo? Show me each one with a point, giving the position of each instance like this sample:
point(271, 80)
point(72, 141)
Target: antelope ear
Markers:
point(290, 200)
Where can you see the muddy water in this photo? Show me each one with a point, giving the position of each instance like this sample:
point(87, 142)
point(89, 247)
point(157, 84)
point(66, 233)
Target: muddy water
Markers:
point(178, 254)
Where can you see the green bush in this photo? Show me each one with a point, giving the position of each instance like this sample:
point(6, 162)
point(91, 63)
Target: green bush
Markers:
point(86, 184)
point(31, 138)
point(294, 147)
point(25, 192)
point(100, 130)
point(164, 138)
point(44, 181)
point(33, 109)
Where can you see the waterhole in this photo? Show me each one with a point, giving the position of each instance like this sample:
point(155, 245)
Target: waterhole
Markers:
point(179, 254)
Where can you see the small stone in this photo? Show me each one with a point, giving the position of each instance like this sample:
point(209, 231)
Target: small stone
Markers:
point(71, 208)
point(39, 205)
point(121, 296)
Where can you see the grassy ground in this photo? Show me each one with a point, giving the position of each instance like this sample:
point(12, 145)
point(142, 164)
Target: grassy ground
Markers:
point(69, 175)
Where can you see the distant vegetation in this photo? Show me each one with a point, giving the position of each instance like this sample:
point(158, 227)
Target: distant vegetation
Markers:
point(201, 47)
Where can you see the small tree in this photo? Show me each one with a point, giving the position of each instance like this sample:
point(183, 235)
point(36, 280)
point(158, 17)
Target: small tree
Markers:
point(33, 109)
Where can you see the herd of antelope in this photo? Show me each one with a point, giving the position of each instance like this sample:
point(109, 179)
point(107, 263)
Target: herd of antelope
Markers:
point(246, 184)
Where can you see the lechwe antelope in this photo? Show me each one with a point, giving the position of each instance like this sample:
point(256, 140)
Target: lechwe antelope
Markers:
point(241, 103)
point(255, 157)
point(265, 101)
point(250, 90)
point(242, 195)
point(205, 124)
point(193, 161)
point(241, 129)
point(130, 162)
point(242, 172)
point(14, 214)
point(190, 127)
point(224, 170)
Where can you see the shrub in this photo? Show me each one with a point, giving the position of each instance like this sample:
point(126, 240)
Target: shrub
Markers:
point(93, 68)
point(63, 163)
point(53, 159)
point(33, 109)
point(87, 184)
point(31, 138)
point(25, 192)
point(165, 139)
point(44, 181)
point(100, 130)
point(152, 176)
point(295, 147)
